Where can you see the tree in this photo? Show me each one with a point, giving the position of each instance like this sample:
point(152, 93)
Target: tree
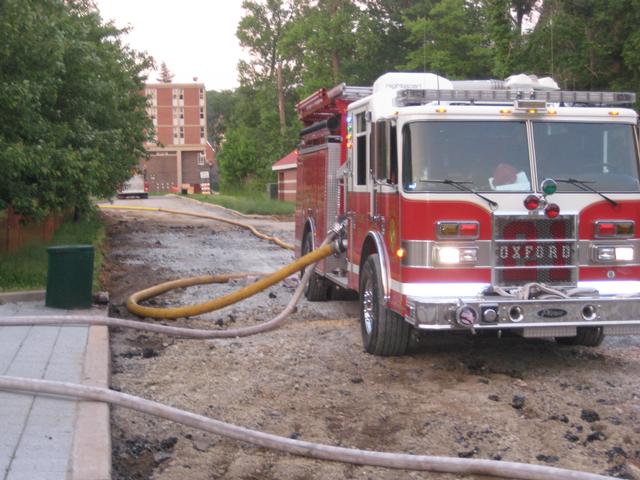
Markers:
point(587, 44)
point(165, 74)
point(336, 41)
point(260, 31)
point(220, 106)
point(450, 38)
point(72, 120)
point(261, 128)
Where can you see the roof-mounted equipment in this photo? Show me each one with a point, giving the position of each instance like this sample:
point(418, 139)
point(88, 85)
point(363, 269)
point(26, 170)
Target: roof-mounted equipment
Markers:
point(518, 98)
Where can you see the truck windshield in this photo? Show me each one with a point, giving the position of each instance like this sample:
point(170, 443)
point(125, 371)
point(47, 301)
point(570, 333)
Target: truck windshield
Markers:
point(486, 156)
point(601, 155)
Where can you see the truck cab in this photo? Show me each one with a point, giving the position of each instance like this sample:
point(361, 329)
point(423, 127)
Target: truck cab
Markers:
point(474, 206)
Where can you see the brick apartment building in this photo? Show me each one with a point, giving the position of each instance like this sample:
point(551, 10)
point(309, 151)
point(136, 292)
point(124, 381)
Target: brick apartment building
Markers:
point(183, 155)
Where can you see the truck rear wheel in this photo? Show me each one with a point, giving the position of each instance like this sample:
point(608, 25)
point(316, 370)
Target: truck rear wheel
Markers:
point(317, 289)
point(587, 336)
point(384, 332)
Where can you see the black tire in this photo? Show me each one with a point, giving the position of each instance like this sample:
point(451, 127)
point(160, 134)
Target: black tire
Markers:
point(586, 336)
point(317, 290)
point(384, 332)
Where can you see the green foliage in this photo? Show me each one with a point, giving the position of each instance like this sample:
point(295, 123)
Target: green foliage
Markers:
point(249, 202)
point(165, 75)
point(220, 106)
point(72, 121)
point(588, 44)
point(584, 44)
point(255, 136)
point(26, 269)
point(504, 35)
point(334, 41)
point(451, 40)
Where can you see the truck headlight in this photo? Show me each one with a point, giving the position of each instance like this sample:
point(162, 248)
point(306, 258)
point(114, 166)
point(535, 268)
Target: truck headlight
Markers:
point(456, 255)
point(615, 254)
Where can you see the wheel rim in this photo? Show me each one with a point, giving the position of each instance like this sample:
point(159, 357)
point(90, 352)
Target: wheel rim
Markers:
point(368, 307)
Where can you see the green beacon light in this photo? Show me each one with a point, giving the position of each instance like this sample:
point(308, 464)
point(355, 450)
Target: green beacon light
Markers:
point(548, 186)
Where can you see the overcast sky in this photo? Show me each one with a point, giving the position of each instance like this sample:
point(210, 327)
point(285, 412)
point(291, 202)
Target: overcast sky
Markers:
point(196, 38)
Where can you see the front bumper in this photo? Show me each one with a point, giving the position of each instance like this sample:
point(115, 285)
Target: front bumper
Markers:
point(532, 318)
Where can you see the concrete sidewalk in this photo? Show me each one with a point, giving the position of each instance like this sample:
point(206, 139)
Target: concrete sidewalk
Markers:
point(48, 438)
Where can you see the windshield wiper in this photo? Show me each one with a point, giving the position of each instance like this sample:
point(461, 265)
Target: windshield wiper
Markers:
point(462, 186)
point(584, 186)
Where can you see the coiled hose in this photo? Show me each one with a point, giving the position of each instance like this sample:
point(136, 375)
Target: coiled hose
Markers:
point(192, 310)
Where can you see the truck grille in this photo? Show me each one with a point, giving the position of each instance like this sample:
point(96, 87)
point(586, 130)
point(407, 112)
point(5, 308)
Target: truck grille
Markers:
point(534, 249)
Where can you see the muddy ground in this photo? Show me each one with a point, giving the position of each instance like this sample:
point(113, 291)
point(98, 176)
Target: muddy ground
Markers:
point(525, 400)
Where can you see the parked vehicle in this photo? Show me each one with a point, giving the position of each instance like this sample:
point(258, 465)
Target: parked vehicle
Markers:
point(136, 187)
point(474, 206)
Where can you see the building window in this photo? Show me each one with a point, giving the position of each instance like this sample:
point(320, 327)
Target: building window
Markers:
point(181, 132)
point(201, 132)
point(201, 158)
point(201, 112)
point(201, 94)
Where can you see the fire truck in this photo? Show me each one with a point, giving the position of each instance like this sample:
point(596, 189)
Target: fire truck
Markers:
point(482, 205)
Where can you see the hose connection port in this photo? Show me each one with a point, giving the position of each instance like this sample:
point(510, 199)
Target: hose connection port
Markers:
point(589, 312)
point(466, 316)
point(516, 314)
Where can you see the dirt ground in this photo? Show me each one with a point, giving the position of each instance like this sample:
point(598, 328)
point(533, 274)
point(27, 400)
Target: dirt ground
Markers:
point(525, 400)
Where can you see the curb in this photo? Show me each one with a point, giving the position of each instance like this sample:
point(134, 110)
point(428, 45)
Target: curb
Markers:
point(26, 296)
point(91, 451)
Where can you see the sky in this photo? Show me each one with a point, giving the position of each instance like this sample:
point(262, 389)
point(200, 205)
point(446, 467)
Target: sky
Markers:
point(195, 38)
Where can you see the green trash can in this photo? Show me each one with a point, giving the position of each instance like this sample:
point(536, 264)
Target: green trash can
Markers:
point(70, 276)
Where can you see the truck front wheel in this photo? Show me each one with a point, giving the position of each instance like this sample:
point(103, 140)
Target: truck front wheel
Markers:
point(586, 336)
point(317, 289)
point(384, 332)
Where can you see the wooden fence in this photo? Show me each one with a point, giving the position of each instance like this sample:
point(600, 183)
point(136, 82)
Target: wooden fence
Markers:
point(14, 233)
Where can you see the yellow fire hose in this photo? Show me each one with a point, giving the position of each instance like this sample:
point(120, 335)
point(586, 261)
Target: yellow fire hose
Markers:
point(133, 305)
point(220, 302)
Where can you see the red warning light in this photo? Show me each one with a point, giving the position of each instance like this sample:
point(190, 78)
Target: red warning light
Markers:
point(552, 210)
point(531, 202)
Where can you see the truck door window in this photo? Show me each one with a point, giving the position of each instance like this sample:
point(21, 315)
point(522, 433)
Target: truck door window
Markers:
point(393, 154)
point(380, 150)
point(361, 149)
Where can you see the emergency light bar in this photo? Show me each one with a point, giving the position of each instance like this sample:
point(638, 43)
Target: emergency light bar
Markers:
point(406, 98)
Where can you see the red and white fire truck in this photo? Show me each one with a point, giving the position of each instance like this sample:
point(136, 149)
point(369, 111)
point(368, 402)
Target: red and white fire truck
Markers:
point(474, 205)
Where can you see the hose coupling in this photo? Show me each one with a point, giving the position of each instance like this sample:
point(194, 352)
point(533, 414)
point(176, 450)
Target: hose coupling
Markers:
point(465, 315)
point(338, 227)
point(339, 245)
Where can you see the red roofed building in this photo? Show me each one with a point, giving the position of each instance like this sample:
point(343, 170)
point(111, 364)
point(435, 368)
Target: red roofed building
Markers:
point(286, 168)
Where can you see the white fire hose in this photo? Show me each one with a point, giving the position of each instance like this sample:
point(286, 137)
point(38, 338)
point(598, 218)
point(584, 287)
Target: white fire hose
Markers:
point(406, 461)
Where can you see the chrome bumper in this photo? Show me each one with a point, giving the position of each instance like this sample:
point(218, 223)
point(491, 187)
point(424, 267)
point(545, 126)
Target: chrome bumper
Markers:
point(531, 318)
